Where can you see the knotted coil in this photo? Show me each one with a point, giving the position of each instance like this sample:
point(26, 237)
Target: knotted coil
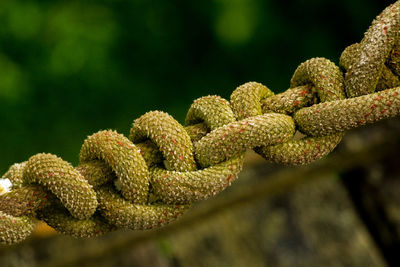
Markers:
point(152, 177)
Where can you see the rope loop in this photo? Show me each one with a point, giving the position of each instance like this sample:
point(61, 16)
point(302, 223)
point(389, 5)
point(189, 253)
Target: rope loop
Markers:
point(379, 42)
point(213, 111)
point(66, 183)
point(170, 136)
point(325, 81)
point(132, 173)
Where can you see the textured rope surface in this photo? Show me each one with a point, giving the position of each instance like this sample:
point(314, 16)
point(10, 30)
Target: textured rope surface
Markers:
point(153, 177)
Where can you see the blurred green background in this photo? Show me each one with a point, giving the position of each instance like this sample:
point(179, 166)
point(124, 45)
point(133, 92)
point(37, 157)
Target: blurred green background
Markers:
point(71, 68)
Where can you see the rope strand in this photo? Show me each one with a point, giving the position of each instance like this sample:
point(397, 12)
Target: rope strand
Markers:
point(153, 177)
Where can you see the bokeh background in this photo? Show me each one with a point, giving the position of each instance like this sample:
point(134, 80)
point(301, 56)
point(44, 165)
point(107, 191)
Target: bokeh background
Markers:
point(71, 68)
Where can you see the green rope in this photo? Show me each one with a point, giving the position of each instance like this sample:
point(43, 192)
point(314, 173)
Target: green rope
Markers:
point(153, 177)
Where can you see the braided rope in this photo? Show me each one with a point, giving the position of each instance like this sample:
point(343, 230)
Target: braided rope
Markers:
point(153, 177)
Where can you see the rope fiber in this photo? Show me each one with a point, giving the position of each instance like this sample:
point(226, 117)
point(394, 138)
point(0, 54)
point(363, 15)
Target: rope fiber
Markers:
point(152, 177)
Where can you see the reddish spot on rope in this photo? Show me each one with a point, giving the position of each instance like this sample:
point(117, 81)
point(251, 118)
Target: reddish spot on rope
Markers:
point(173, 141)
point(296, 103)
point(120, 143)
point(304, 92)
point(395, 94)
point(379, 97)
point(181, 157)
point(373, 106)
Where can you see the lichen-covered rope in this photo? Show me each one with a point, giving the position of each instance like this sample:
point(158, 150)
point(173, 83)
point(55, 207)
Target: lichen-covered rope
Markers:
point(152, 177)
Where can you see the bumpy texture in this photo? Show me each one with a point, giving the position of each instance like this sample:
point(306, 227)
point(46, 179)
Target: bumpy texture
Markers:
point(153, 177)
point(373, 51)
point(132, 173)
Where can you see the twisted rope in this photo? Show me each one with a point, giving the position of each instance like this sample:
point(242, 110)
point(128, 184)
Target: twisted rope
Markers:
point(153, 177)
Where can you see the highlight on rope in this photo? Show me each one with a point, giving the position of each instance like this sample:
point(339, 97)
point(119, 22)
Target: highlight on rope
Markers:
point(152, 177)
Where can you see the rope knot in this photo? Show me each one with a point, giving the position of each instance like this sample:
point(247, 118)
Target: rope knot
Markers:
point(152, 177)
